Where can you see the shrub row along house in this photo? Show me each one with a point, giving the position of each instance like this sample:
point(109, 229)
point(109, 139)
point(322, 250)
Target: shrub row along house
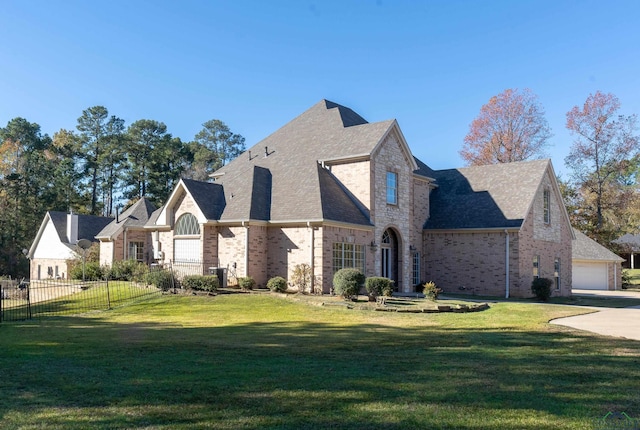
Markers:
point(331, 190)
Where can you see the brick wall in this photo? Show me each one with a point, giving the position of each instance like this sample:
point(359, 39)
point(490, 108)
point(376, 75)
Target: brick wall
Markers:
point(45, 263)
point(210, 246)
point(471, 262)
point(231, 244)
point(356, 177)
point(389, 157)
point(288, 247)
point(547, 240)
point(615, 275)
point(258, 245)
point(326, 237)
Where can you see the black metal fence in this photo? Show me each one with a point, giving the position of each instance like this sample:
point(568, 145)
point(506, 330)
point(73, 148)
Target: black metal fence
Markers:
point(23, 300)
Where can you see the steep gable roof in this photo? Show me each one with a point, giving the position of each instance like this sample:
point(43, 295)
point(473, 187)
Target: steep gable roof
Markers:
point(88, 228)
point(136, 215)
point(585, 248)
point(279, 178)
point(491, 196)
point(209, 198)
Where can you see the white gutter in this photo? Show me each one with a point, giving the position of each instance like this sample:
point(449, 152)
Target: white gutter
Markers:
point(507, 264)
point(246, 248)
point(311, 256)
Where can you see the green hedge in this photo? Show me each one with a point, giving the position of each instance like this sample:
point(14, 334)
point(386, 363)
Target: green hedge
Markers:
point(347, 282)
point(201, 282)
point(541, 288)
point(277, 284)
point(162, 279)
point(92, 271)
point(126, 270)
point(246, 283)
point(379, 286)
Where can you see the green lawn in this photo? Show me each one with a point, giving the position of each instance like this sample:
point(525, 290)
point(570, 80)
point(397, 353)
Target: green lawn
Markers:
point(257, 361)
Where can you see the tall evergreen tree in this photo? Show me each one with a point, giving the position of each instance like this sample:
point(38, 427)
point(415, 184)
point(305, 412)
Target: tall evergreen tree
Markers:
point(25, 173)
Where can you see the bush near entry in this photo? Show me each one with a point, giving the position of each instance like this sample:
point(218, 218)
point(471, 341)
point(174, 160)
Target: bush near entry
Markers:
point(379, 286)
point(277, 284)
point(347, 282)
point(247, 283)
point(541, 288)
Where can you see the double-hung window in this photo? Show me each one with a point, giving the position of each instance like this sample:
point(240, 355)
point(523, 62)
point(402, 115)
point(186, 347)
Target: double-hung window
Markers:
point(136, 251)
point(556, 273)
point(348, 255)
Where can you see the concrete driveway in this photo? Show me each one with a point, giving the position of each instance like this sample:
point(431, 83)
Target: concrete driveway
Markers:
point(624, 322)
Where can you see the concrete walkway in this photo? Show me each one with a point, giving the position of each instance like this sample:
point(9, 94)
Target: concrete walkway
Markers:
point(623, 322)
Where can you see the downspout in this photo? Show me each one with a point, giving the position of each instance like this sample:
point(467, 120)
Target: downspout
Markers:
point(615, 276)
point(246, 248)
point(311, 256)
point(124, 245)
point(506, 263)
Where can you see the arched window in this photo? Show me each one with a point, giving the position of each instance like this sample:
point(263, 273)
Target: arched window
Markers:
point(186, 243)
point(187, 225)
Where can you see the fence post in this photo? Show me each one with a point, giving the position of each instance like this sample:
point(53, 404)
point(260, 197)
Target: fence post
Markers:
point(108, 295)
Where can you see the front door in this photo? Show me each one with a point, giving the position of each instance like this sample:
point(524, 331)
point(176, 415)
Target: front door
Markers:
point(389, 250)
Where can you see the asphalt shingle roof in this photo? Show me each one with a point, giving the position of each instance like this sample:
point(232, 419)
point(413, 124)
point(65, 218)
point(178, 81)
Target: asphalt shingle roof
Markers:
point(88, 225)
point(585, 248)
point(279, 178)
point(136, 215)
point(492, 196)
point(629, 241)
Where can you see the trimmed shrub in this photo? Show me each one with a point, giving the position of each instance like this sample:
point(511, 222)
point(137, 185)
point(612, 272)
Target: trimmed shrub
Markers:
point(379, 286)
point(541, 288)
point(277, 284)
point(92, 271)
point(431, 291)
point(347, 282)
point(201, 282)
point(246, 283)
point(162, 279)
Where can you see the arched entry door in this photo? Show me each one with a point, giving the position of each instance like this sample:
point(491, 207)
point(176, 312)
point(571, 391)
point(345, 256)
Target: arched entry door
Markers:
point(389, 250)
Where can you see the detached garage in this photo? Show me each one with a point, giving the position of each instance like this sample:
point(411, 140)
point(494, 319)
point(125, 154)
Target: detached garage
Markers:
point(594, 266)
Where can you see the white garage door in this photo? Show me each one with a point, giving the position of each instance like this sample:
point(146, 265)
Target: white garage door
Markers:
point(590, 276)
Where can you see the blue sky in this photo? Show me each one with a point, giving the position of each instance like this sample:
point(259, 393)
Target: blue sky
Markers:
point(257, 64)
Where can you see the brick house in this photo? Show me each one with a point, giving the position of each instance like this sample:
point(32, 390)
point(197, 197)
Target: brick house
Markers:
point(331, 190)
point(125, 237)
point(492, 229)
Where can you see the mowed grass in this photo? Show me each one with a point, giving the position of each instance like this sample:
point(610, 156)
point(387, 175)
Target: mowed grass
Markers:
point(253, 361)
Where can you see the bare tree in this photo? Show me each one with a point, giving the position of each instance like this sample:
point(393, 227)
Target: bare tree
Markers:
point(510, 127)
point(604, 148)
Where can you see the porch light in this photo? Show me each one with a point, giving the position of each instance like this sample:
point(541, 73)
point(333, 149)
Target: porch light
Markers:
point(373, 245)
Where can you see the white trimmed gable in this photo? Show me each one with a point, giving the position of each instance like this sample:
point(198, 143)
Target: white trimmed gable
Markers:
point(49, 244)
